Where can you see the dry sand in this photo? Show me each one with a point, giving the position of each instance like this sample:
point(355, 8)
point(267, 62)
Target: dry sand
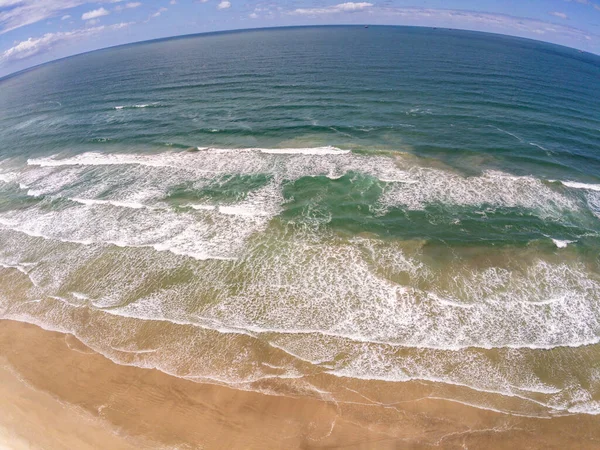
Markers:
point(55, 393)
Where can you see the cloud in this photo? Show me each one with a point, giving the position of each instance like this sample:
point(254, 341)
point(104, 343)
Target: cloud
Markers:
point(18, 13)
point(340, 8)
point(253, 15)
point(586, 2)
point(158, 13)
point(65, 17)
point(559, 14)
point(224, 5)
point(94, 14)
point(473, 20)
point(173, 2)
point(129, 5)
point(34, 46)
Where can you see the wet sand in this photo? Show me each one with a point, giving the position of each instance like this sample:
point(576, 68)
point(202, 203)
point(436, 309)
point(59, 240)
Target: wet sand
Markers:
point(56, 393)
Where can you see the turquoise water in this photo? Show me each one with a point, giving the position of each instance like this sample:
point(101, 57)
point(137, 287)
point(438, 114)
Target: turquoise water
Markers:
point(310, 205)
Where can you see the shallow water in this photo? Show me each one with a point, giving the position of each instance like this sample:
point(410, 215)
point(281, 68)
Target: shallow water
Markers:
point(301, 211)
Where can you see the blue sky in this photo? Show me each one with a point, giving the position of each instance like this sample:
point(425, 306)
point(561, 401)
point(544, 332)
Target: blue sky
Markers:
point(36, 31)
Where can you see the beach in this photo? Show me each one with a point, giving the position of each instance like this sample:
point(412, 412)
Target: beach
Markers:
point(57, 393)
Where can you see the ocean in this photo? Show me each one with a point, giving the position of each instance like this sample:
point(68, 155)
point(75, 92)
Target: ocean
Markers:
point(318, 210)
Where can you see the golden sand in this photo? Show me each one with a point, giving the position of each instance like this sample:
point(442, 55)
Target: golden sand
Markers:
point(56, 393)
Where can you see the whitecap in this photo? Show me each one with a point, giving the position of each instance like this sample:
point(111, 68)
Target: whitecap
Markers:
point(7, 177)
point(561, 243)
point(121, 204)
point(578, 185)
point(200, 207)
point(306, 151)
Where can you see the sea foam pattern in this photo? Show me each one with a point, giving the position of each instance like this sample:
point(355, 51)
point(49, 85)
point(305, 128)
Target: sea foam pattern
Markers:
point(307, 292)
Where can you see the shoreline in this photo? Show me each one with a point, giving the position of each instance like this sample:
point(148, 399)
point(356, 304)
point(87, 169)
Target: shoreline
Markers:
point(58, 393)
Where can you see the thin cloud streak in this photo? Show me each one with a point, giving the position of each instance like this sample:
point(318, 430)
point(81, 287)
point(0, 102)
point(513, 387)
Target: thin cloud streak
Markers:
point(335, 9)
point(560, 15)
point(34, 46)
point(26, 12)
point(94, 14)
point(499, 23)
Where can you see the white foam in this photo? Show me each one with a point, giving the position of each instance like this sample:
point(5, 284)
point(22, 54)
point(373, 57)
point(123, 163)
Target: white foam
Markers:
point(239, 211)
point(578, 185)
point(561, 243)
point(176, 159)
point(593, 202)
point(20, 267)
point(217, 238)
point(488, 408)
point(409, 186)
point(132, 106)
point(7, 177)
point(424, 185)
point(200, 207)
point(591, 407)
point(136, 351)
point(306, 151)
point(50, 181)
point(121, 204)
point(395, 379)
point(541, 147)
point(492, 188)
point(507, 132)
point(316, 151)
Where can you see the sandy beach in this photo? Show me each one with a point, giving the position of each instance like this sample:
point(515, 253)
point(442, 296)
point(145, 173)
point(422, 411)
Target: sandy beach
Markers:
point(58, 394)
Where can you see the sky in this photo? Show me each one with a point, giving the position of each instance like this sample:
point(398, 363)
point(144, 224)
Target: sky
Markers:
point(36, 31)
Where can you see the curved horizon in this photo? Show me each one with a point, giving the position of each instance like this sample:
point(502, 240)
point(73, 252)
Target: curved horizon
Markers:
point(243, 30)
point(33, 34)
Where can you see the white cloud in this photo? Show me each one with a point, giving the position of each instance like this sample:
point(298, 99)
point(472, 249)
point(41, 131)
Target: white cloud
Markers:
point(158, 13)
point(33, 46)
point(224, 5)
point(94, 14)
point(173, 2)
point(586, 2)
point(65, 17)
point(473, 20)
point(129, 5)
point(18, 13)
point(253, 16)
point(340, 8)
point(559, 14)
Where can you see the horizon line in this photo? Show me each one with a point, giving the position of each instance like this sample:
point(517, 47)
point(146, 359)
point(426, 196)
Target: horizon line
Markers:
point(284, 27)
